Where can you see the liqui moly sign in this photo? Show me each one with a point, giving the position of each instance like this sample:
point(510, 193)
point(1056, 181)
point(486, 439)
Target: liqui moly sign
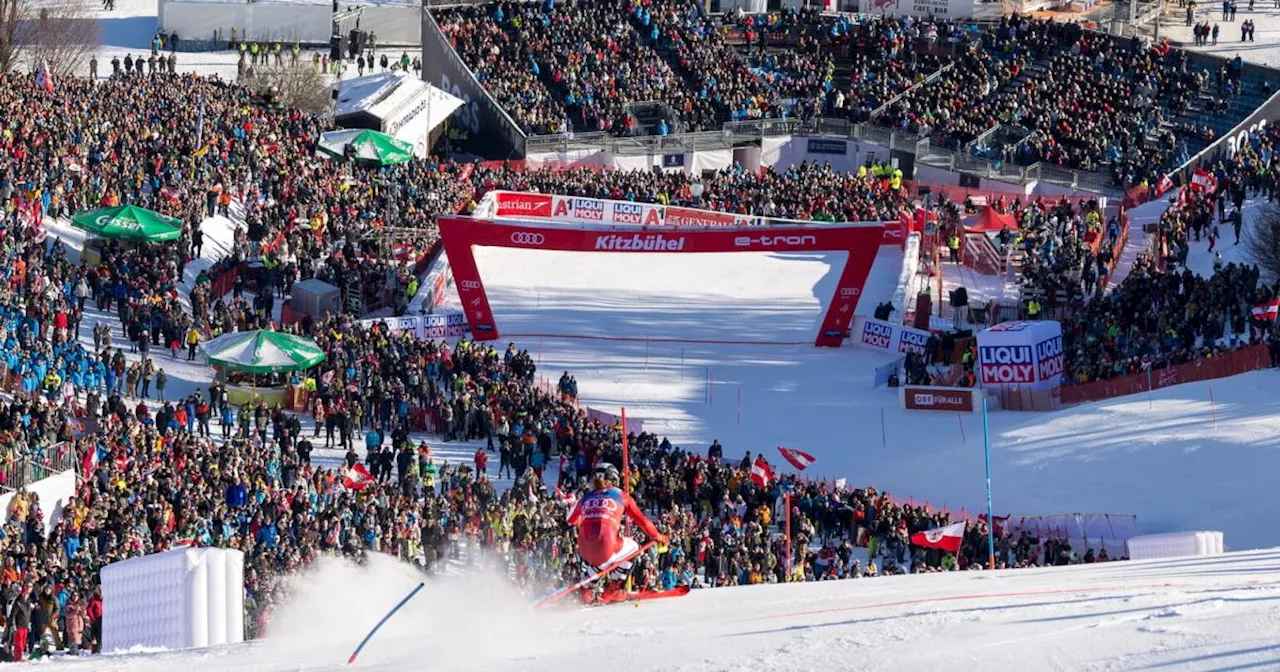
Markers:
point(639, 242)
point(1049, 358)
point(1002, 364)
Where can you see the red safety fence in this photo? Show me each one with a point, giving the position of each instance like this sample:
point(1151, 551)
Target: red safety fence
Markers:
point(1246, 359)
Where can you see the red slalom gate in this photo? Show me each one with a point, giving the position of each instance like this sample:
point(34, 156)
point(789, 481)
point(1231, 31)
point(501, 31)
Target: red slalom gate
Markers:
point(860, 240)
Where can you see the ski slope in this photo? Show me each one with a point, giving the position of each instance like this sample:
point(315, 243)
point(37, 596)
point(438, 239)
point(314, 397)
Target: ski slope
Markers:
point(1163, 457)
point(1215, 613)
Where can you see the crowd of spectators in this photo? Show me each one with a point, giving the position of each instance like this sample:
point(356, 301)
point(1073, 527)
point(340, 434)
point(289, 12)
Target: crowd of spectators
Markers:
point(157, 478)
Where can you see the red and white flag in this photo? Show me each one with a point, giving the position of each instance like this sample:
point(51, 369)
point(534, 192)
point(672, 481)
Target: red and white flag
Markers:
point(761, 474)
point(357, 477)
point(1203, 180)
point(1164, 185)
point(1267, 311)
point(946, 538)
point(90, 462)
point(798, 458)
point(44, 78)
point(999, 524)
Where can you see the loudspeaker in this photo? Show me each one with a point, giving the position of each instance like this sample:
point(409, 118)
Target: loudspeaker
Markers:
point(337, 45)
point(959, 297)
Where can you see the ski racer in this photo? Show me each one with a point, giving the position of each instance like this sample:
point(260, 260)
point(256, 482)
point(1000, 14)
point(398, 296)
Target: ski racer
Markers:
point(599, 515)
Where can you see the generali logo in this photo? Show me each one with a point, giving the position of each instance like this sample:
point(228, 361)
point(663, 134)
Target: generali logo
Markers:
point(775, 241)
point(639, 243)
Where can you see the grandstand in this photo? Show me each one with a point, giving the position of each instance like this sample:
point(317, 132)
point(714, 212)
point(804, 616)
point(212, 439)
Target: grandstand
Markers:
point(984, 98)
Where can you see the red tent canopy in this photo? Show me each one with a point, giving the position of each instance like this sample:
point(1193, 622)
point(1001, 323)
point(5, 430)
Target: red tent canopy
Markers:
point(988, 219)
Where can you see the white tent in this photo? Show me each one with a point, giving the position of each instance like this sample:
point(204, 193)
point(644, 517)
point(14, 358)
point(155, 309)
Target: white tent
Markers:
point(394, 103)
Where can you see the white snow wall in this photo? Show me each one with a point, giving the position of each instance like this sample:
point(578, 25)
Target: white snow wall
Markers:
point(54, 491)
point(180, 599)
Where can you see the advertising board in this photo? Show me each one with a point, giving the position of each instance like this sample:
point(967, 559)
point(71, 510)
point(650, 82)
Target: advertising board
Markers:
point(954, 399)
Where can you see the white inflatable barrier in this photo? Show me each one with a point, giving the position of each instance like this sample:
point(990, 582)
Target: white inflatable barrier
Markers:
point(1175, 545)
point(180, 599)
point(903, 294)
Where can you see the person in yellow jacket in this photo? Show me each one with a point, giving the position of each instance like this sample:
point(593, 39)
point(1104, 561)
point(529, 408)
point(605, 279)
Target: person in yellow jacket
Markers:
point(1033, 309)
point(193, 339)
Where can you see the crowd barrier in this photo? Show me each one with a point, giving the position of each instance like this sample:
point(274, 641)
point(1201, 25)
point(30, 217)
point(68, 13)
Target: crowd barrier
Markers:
point(1244, 360)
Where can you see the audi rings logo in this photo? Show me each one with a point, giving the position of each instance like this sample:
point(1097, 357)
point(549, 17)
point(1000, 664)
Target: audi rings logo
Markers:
point(469, 284)
point(528, 238)
point(846, 292)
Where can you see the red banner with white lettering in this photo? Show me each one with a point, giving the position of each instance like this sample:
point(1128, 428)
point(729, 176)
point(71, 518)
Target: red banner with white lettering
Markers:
point(861, 241)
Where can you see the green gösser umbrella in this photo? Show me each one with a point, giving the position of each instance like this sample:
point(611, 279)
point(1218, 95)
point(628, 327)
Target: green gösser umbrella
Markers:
point(262, 351)
point(367, 146)
point(129, 222)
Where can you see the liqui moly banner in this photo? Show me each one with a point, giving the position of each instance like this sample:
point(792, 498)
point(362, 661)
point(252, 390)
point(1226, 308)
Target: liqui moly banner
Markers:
point(1025, 354)
point(888, 337)
point(861, 242)
point(580, 210)
point(438, 325)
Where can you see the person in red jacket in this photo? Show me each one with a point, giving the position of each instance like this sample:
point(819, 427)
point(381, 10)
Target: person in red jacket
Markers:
point(93, 610)
point(599, 515)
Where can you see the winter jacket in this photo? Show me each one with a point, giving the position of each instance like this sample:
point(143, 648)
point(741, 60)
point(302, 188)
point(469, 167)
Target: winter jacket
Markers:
point(76, 619)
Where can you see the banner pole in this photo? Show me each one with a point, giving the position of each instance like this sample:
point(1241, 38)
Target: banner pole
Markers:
point(960, 419)
point(786, 499)
point(986, 451)
point(884, 435)
point(1213, 408)
point(626, 455)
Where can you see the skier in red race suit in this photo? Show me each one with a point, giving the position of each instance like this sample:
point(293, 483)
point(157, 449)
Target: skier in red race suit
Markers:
point(599, 515)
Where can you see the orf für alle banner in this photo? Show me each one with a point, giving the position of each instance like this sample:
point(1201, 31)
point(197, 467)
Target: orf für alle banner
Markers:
point(957, 399)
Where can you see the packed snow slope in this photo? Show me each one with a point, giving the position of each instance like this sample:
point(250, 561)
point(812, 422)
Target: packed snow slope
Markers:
point(1188, 614)
point(1195, 456)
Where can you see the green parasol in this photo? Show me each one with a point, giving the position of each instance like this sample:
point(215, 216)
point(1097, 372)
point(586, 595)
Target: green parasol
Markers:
point(129, 222)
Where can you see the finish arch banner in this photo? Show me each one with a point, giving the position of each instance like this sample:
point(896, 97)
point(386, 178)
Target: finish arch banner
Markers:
point(861, 241)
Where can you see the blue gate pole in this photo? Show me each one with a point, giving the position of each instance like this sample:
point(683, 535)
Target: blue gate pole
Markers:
point(386, 618)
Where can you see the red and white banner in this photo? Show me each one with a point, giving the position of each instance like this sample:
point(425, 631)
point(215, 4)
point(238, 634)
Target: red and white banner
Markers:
point(1267, 311)
point(676, 216)
point(761, 474)
point(861, 241)
point(946, 538)
point(512, 204)
point(357, 477)
point(1202, 180)
point(798, 458)
point(1164, 185)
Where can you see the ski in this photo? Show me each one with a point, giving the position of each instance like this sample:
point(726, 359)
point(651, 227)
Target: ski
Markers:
point(640, 596)
point(553, 597)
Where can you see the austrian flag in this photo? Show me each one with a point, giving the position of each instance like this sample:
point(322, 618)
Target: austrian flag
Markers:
point(357, 477)
point(1267, 311)
point(798, 458)
point(761, 474)
point(946, 538)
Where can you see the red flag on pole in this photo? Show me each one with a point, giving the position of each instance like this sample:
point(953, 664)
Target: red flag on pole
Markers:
point(761, 474)
point(946, 538)
point(798, 458)
point(357, 477)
